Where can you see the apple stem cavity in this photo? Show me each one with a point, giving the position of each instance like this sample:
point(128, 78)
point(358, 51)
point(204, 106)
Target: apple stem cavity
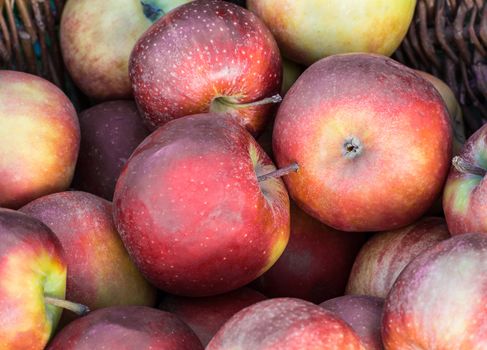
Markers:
point(467, 168)
point(152, 12)
point(292, 168)
point(78, 309)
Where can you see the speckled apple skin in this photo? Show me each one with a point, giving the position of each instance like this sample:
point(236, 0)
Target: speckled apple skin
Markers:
point(386, 254)
point(438, 301)
point(200, 51)
point(207, 315)
point(100, 272)
point(465, 195)
point(110, 132)
point(363, 313)
point(32, 265)
point(402, 124)
point(285, 324)
point(316, 262)
point(191, 211)
point(126, 328)
point(39, 138)
point(309, 30)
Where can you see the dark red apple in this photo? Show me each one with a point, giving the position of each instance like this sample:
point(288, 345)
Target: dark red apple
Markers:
point(100, 272)
point(110, 132)
point(386, 254)
point(372, 140)
point(316, 262)
point(465, 195)
point(208, 55)
point(193, 213)
point(285, 324)
point(126, 328)
point(205, 316)
point(439, 300)
point(363, 313)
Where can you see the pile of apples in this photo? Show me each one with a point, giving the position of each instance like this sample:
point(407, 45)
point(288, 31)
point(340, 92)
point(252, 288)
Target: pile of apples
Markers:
point(219, 196)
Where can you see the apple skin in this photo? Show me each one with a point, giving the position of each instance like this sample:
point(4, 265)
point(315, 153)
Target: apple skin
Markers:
point(454, 110)
point(316, 262)
point(386, 254)
point(110, 132)
point(126, 328)
point(207, 315)
point(214, 55)
point(465, 194)
point(285, 323)
point(100, 272)
point(97, 38)
point(191, 190)
point(39, 133)
point(32, 265)
point(309, 30)
point(438, 301)
point(369, 158)
point(363, 313)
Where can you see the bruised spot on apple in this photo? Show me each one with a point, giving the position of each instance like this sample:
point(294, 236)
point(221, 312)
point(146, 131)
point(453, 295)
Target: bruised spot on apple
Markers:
point(372, 140)
point(191, 211)
point(207, 56)
point(465, 195)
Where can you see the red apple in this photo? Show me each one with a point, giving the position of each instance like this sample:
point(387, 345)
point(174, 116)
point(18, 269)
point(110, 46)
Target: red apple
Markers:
point(192, 212)
point(465, 195)
point(363, 313)
point(32, 269)
point(308, 30)
point(285, 323)
point(316, 262)
point(100, 272)
point(438, 301)
point(126, 328)
point(205, 316)
point(386, 254)
point(39, 138)
point(372, 140)
point(208, 55)
point(110, 132)
point(97, 38)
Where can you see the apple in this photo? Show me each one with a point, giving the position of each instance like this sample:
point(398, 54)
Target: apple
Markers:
point(207, 56)
point(97, 38)
point(438, 301)
point(363, 313)
point(386, 254)
point(126, 328)
point(110, 131)
point(285, 323)
point(100, 272)
point(369, 158)
point(465, 195)
point(195, 208)
point(316, 262)
point(309, 30)
point(39, 138)
point(454, 109)
point(207, 315)
point(32, 281)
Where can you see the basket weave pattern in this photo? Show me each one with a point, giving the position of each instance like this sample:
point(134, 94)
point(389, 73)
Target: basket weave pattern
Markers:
point(448, 38)
point(28, 38)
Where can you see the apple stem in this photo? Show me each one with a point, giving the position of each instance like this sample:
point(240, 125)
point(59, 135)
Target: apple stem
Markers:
point(279, 172)
point(78, 309)
point(273, 99)
point(467, 168)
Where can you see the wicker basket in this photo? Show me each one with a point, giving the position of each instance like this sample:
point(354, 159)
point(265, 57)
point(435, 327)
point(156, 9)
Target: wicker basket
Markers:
point(448, 38)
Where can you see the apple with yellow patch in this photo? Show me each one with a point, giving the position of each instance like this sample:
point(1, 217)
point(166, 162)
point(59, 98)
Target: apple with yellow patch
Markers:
point(39, 138)
point(194, 208)
point(308, 30)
